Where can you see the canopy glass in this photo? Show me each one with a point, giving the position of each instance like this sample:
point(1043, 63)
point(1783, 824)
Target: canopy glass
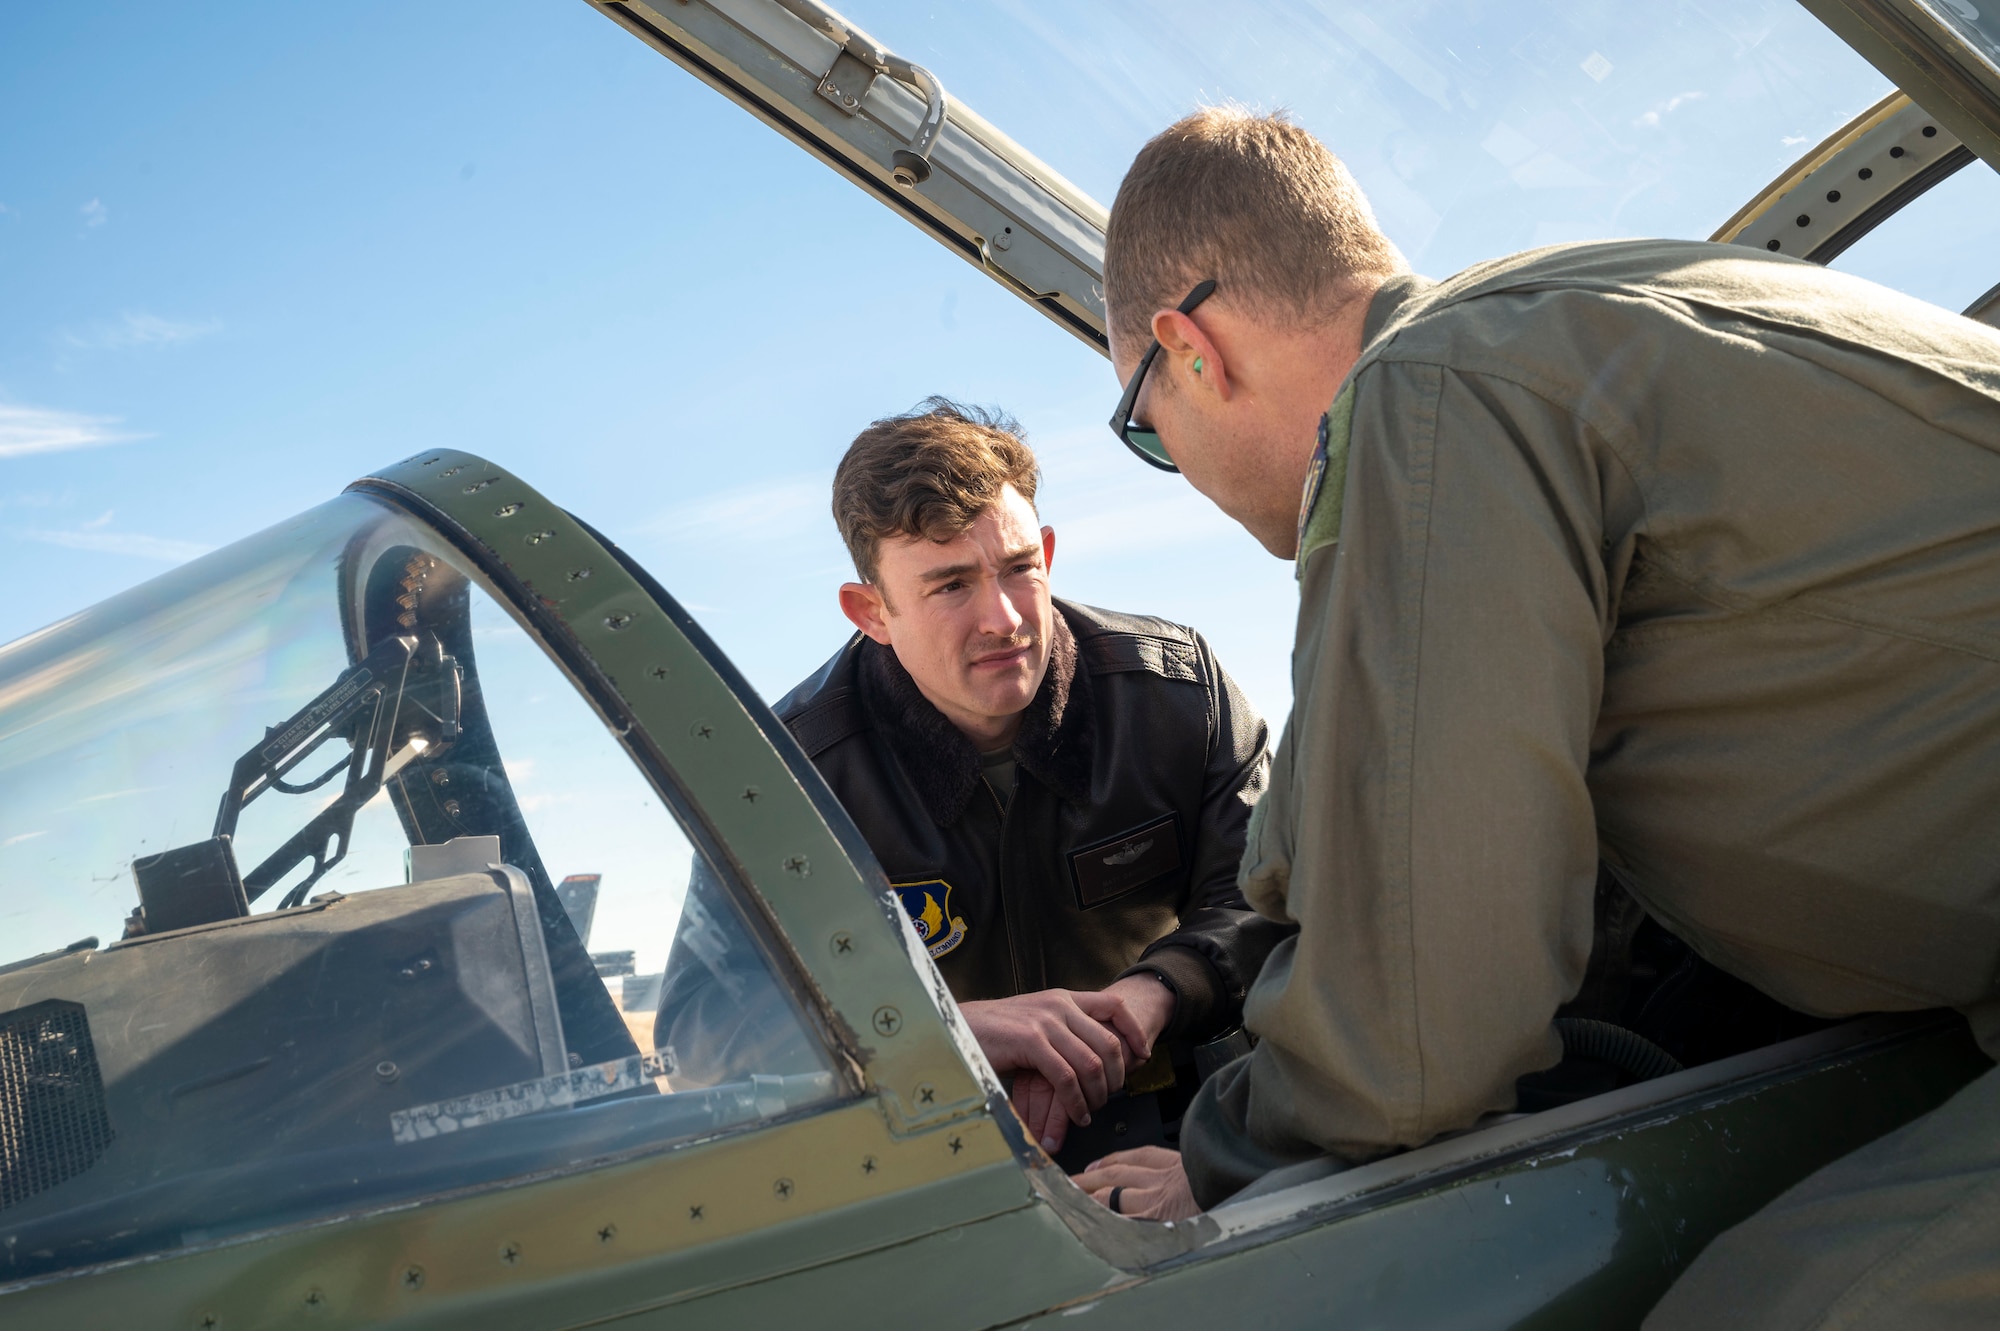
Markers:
point(1476, 128)
point(337, 775)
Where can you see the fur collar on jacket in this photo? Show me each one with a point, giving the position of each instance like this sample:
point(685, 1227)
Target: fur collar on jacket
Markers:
point(1054, 743)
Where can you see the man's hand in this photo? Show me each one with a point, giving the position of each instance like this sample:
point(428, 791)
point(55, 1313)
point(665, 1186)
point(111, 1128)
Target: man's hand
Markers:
point(1150, 1182)
point(1079, 1042)
point(1151, 1003)
point(1035, 1101)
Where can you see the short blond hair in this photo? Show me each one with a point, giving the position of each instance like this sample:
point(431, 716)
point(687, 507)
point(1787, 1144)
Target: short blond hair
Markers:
point(1254, 202)
point(928, 473)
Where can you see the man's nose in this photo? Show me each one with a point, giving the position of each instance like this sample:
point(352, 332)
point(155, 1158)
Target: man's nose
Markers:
point(999, 617)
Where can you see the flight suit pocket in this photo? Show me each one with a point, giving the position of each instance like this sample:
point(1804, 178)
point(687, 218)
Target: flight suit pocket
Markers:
point(1110, 868)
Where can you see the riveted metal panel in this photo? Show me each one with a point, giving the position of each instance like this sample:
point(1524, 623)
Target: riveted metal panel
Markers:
point(1873, 166)
point(556, 1252)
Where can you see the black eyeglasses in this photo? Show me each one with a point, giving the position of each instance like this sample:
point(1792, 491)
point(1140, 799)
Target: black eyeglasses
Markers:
point(1143, 439)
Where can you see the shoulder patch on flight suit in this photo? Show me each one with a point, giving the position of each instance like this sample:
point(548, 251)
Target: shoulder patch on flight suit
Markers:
point(1115, 866)
point(929, 906)
point(1326, 480)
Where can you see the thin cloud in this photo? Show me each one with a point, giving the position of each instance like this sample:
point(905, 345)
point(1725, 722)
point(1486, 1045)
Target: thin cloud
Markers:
point(136, 328)
point(778, 510)
point(165, 549)
point(1652, 118)
point(25, 430)
point(116, 795)
point(94, 213)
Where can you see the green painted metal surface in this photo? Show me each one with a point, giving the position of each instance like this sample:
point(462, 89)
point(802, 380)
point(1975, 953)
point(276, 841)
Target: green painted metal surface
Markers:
point(1585, 1236)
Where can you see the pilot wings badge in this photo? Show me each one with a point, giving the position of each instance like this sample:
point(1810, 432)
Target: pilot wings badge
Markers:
point(929, 905)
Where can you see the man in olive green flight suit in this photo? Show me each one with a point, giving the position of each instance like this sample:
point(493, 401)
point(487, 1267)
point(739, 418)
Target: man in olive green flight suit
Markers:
point(1679, 555)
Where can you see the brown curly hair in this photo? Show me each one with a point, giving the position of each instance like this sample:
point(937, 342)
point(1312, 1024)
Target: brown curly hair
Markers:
point(929, 472)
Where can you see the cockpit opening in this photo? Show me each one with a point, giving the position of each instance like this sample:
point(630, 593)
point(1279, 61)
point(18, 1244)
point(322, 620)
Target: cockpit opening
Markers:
point(309, 785)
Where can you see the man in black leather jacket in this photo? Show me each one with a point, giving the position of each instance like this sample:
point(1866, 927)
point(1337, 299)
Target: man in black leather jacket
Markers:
point(1059, 794)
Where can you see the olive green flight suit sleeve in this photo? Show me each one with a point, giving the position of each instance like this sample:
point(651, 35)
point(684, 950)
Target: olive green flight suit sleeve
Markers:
point(1428, 826)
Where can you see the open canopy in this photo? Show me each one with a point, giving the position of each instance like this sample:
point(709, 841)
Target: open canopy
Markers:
point(1476, 128)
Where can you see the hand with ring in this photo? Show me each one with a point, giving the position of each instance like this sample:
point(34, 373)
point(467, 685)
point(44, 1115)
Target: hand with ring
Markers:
point(1148, 1183)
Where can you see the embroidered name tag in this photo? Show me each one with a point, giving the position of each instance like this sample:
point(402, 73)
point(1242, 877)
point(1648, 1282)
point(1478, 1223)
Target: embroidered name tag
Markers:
point(1131, 859)
point(929, 907)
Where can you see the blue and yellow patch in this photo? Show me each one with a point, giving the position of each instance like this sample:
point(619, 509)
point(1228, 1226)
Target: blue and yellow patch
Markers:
point(929, 905)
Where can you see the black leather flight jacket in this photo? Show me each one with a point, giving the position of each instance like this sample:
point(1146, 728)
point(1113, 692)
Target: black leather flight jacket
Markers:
point(1137, 766)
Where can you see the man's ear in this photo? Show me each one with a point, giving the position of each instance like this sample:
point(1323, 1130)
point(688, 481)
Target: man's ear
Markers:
point(864, 607)
point(1182, 344)
point(1048, 548)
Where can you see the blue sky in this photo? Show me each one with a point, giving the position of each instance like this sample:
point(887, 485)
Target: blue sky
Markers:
point(250, 253)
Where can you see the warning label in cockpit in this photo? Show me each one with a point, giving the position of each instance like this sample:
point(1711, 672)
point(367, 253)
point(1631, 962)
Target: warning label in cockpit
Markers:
point(562, 1091)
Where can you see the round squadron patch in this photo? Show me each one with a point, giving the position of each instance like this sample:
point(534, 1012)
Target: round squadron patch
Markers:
point(929, 905)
